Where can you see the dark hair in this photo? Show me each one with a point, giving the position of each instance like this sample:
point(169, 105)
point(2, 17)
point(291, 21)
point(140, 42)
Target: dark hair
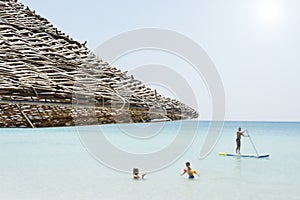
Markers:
point(240, 129)
point(188, 163)
point(135, 170)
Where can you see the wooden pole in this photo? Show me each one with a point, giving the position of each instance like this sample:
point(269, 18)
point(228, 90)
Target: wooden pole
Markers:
point(28, 120)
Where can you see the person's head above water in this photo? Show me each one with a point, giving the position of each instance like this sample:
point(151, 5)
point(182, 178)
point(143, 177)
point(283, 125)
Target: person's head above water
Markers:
point(135, 171)
point(239, 129)
point(187, 164)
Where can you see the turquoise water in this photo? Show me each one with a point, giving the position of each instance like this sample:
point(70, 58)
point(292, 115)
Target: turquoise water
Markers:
point(53, 164)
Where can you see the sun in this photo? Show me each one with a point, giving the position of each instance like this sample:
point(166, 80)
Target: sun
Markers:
point(270, 11)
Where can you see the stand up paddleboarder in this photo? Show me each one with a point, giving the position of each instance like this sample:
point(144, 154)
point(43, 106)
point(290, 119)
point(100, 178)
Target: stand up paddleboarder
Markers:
point(239, 133)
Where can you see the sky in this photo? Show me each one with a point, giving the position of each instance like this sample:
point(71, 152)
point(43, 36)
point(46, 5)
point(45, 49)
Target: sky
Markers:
point(254, 44)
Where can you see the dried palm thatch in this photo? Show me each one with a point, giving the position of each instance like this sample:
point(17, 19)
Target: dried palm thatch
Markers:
point(47, 79)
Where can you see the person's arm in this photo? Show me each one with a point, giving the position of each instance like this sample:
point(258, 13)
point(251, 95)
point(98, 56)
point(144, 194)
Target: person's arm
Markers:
point(143, 175)
point(195, 172)
point(244, 132)
point(184, 171)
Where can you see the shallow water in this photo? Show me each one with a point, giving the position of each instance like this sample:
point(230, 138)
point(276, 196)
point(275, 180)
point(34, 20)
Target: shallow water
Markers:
point(53, 164)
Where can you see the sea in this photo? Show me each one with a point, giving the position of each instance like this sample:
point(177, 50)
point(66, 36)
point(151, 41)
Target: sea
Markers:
point(96, 162)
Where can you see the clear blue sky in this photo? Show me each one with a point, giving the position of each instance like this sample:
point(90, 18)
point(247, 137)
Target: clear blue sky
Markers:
point(255, 44)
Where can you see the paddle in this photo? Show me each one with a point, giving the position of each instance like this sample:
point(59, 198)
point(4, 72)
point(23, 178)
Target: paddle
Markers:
point(252, 143)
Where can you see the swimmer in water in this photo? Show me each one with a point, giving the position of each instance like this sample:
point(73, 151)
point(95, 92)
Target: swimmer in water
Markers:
point(189, 171)
point(136, 174)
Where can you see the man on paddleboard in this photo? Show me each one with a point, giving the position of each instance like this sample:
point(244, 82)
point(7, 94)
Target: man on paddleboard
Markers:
point(239, 134)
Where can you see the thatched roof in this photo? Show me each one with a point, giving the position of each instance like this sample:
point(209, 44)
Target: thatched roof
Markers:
point(48, 79)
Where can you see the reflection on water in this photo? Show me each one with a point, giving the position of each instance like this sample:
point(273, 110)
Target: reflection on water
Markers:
point(238, 163)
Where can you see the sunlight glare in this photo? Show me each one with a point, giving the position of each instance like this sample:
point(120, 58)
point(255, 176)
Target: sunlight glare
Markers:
point(270, 11)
